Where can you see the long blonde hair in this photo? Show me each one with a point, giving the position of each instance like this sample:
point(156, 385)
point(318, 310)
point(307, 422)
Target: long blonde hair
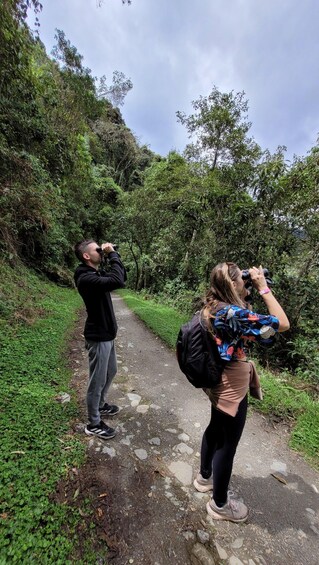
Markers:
point(222, 289)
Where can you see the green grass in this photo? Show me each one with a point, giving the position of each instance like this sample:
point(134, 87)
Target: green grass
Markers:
point(164, 321)
point(284, 399)
point(281, 397)
point(36, 449)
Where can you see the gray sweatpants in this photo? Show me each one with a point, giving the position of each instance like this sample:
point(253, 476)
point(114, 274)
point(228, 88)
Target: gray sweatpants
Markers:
point(102, 370)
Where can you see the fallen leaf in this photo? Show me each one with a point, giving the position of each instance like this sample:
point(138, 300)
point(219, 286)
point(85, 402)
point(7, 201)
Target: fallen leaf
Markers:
point(279, 478)
point(76, 494)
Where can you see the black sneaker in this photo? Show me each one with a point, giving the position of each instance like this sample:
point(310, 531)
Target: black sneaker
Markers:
point(100, 430)
point(109, 410)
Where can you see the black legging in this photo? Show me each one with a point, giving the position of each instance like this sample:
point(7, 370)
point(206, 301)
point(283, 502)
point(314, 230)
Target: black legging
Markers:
point(219, 445)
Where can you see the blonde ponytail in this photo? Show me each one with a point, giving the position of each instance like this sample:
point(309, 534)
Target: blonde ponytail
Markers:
point(222, 289)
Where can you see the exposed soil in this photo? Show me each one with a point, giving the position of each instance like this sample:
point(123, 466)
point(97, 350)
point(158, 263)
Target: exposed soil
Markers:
point(139, 484)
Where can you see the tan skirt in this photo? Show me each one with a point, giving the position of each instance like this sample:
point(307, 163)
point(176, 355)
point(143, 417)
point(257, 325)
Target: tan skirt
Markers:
point(238, 377)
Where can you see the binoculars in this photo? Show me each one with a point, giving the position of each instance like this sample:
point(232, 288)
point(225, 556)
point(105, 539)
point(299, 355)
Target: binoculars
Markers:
point(245, 275)
point(101, 252)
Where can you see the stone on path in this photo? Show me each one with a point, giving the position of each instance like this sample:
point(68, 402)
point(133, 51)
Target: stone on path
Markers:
point(154, 441)
point(182, 471)
point(141, 454)
point(279, 466)
point(237, 544)
point(183, 448)
point(109, 450)
point(221, 551)
point(188, 535)
point(135, 399)
point(203, 537)
point(142, 408)
point(126, 440)
point(233, 560)
point(202, 554)
point(183, 437)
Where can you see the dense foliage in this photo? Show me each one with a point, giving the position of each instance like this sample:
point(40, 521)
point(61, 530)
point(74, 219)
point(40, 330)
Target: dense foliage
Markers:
point(71, 168)
point(66, 153)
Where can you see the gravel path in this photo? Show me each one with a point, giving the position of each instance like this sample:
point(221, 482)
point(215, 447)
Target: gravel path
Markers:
point(154, 515)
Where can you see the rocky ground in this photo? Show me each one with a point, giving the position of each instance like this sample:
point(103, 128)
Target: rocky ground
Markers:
point(147, 510)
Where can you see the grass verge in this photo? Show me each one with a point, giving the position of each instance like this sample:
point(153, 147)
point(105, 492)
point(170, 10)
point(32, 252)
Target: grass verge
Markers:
point(163, 320)
point(36, 449)
point(281, 398)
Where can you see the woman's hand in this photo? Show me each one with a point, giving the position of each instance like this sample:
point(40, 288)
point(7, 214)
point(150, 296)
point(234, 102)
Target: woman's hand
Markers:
point(258, 278)
point(259, 282)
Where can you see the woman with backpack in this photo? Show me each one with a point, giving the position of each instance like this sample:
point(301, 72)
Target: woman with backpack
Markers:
point(233, 326)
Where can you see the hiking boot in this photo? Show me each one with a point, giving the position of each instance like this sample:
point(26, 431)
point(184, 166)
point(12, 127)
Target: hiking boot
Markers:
point(233, 510)
point(109, 410)
point(100, 430)
point(203, 485)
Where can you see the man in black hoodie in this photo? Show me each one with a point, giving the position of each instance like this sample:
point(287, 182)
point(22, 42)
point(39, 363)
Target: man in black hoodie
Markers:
point(94, 285)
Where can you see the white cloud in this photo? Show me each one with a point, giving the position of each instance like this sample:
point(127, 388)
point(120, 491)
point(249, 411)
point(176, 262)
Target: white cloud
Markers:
point(175, 50)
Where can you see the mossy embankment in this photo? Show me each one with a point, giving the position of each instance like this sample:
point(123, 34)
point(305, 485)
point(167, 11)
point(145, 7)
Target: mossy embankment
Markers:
point(37, 447)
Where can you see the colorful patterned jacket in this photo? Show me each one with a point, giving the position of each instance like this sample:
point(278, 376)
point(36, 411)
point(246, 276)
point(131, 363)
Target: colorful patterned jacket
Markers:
point(235, 327)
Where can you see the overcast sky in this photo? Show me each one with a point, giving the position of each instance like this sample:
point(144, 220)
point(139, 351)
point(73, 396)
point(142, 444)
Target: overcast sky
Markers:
point(176, 50)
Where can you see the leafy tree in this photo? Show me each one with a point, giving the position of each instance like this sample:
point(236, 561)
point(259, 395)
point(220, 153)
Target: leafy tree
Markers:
point(68, 55)
point(19, 8)
point(104, 196)
point(220, 127)
point(79, 85)
point(118, 146)
point(164, 220)
point(117, 91)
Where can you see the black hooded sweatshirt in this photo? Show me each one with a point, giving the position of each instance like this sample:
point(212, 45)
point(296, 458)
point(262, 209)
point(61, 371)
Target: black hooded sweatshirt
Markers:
point(95, 287)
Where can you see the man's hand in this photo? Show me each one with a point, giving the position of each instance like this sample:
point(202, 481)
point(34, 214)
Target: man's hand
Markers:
point(107, 248)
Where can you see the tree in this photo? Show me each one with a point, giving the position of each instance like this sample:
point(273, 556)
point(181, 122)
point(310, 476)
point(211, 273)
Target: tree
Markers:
point(19, 8)
point(117, 91)
point(118, 146)
point(79, 85)
point(220, 126)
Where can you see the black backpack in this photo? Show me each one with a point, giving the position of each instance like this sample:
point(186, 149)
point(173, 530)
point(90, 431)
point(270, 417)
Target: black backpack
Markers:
point(197, 354)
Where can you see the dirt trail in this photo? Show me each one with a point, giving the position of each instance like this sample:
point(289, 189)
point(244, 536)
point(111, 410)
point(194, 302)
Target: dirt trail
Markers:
point(149, 513)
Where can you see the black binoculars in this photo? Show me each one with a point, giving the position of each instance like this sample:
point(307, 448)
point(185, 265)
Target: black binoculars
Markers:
point(101, 252)
point(245, 275)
